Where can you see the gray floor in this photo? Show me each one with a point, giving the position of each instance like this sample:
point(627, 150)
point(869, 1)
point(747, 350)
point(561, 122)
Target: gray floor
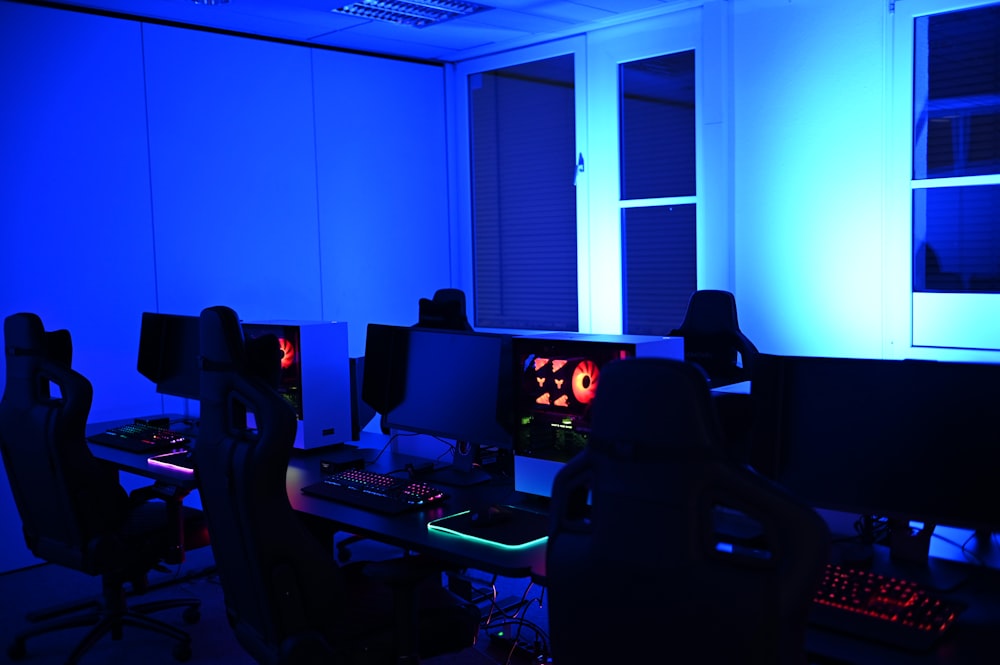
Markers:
point(47, 585)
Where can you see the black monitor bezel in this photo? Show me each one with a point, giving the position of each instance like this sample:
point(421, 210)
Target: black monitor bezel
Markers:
point(401, 414)
point(882, 444)
point(169, 353)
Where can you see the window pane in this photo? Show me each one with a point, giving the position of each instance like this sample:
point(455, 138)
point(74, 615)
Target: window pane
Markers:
point(956, 234)
point(523, 196)
point(957, 93)
point(658, 127)
point(660, 266)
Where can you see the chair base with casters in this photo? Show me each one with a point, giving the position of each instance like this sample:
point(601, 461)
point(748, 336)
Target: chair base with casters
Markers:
point(74, 512)
point(112, 616)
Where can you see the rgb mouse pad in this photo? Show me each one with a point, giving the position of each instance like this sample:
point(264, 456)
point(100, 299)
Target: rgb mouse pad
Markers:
point(521, 528)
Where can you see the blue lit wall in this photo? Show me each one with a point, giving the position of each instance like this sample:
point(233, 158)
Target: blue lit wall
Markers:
point(146, 167)
point(809, 114)
point(154, 168)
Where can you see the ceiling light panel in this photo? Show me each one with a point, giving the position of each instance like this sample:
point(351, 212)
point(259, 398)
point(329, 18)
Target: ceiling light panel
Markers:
point(416, 13)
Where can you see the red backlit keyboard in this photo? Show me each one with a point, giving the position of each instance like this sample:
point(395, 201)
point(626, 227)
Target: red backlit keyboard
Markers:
point(881, 608)
point(378, 492)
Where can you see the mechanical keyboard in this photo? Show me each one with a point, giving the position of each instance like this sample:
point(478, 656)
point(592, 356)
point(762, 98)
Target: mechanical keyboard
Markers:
point(141, 438)
point(881, 608)
point(378, 492)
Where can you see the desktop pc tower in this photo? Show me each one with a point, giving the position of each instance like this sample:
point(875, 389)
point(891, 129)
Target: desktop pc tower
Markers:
point(556, 378)
point(316, 378)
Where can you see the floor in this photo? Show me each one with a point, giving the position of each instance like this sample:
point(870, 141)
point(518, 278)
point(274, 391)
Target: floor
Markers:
point(213, 642)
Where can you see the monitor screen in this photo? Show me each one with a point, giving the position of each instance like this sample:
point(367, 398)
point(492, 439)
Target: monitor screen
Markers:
point(290, 373)
point(906, 439)
point(169, 353)
point(456, 385)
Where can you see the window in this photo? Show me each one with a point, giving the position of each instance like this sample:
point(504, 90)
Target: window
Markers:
point(523, 152)
point(952, 64)
point(657, 122)
point(584, 179)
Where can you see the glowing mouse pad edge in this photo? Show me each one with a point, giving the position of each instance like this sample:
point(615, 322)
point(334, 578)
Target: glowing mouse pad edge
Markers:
point(523, 529)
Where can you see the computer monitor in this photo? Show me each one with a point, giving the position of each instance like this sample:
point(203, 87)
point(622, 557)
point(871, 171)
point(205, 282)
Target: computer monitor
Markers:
point(456, 386)
point(557, 379)
point(169, 353)
point(382, 380)
point(908, 440)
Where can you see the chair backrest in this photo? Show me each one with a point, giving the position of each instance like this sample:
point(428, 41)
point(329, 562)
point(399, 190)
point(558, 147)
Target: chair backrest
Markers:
point(712, 338)
point(279, 583)
point(445, 311)
point(66, 499)
point(657, 479)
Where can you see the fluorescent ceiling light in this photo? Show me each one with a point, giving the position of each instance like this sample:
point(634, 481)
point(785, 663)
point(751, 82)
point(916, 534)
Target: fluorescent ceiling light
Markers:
point(417, 13)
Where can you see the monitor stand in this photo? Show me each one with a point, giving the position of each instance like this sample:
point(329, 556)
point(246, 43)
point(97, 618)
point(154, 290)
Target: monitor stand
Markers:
point(462, 472)
point(909, 552)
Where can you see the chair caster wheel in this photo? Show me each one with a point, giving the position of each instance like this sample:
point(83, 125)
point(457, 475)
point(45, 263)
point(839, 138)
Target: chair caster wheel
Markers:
point(182, 652)
point(191, 615)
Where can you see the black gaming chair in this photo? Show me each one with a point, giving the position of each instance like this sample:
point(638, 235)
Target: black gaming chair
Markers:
point(446, 310)
point(659, 488)
point(74, 513)
point(287, 599)
point(713, 340)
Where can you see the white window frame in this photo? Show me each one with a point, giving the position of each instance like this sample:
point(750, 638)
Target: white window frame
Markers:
point(703, 26)
point(943, 326)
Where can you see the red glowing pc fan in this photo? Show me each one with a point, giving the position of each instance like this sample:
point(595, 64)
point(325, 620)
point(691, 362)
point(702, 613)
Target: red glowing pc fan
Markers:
point(287, 352)
point(585, 381)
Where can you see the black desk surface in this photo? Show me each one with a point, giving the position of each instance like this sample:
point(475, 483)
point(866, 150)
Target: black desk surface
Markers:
point(408, 530)
point(974, 640)
point(137, 463)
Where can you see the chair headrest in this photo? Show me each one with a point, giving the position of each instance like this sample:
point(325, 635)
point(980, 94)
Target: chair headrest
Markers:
point(653, 403)
point(446, 311)
point(25, 335)
point(711, 311)
point(222, 345)
point(224, 348)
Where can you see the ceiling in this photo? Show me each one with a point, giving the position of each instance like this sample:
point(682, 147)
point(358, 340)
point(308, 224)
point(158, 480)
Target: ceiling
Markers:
point(509, 24)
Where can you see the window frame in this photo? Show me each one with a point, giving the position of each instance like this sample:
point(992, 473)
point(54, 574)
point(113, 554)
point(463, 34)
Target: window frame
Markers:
point(944, 326)
point(703, 26)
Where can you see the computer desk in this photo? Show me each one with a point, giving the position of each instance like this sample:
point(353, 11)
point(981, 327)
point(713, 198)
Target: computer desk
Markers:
point(974, 641)
point(137, 463)
point(326, 517)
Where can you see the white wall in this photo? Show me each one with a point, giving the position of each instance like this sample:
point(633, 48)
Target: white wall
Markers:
point(147, 167)
point(383, 172)
point(809, 147)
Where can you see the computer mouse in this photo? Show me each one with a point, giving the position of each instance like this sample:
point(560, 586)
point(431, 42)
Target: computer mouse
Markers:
point(490, 516)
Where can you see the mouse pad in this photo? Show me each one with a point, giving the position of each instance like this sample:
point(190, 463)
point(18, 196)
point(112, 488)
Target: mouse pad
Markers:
point(521, 529)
